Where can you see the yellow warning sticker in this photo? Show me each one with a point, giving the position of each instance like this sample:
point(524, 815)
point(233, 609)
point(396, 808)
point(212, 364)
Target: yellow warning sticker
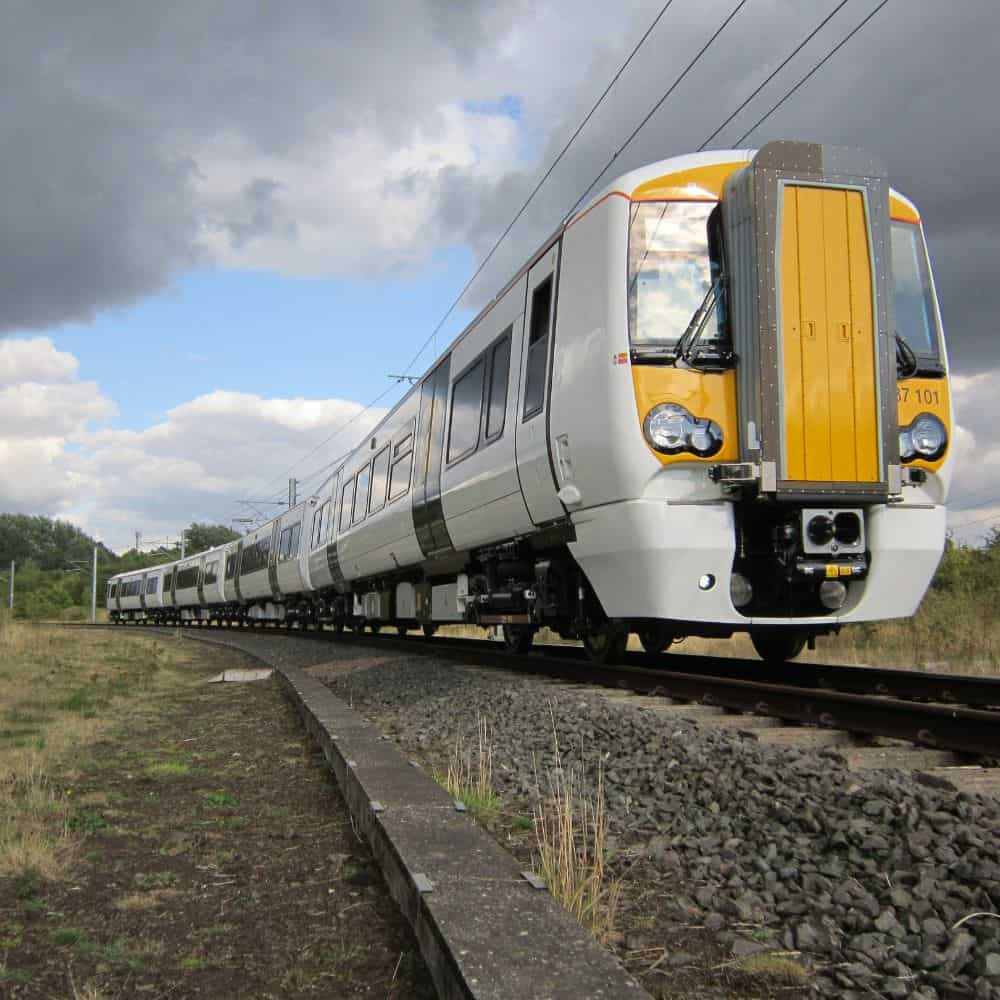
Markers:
point(832, 569)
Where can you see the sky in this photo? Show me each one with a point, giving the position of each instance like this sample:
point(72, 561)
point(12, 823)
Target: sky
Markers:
point(225, 226)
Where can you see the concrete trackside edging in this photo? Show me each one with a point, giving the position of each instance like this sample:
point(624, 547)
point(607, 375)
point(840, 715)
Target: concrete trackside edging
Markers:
point(483, 931)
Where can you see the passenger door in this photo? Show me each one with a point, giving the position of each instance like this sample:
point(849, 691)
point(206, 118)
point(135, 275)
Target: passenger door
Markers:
point(533, 462)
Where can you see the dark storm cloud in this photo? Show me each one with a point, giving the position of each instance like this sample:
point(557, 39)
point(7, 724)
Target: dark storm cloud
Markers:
point(106, 108)
point(103, 107)
point(918, 87)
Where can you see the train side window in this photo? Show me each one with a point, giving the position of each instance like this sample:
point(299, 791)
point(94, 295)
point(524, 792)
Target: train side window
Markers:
point(167, 581)
point(496, 401)
point(284, 543)
point(211, 572)
point(402, 466)
point(346, 501)
point(230, 565)
point(318, 519)
point(380, 480)
point(466, 412)
point(538, 348)
point(361, 494)
point(293, 540)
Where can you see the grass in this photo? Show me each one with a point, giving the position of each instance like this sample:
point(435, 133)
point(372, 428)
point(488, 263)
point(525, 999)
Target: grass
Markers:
point(469, 777)
point(571, 835)
point(60, 690)
point(773, 971)
point(167, 769)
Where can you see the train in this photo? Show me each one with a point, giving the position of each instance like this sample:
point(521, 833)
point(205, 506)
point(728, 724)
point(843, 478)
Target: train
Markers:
point(714, 401)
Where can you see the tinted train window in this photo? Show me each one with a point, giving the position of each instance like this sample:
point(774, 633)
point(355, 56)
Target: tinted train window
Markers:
point(168, 579)
point(346, 502)
point(151, 584)
point(538, 348)
point(230, 565)
point(187, 577)
point(211, 571)
point(402, 466)
point(288, 544)
point(496, 403)
point(380, 480)
point(361, 494)
point(466, 411)
point(318, 522)
point(915, 319)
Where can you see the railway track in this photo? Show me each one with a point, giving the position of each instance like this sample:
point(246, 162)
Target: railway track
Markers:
point(942, 712)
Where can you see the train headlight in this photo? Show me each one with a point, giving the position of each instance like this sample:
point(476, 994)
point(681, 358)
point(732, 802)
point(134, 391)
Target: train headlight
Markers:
point(924, 437)
point(671, 429)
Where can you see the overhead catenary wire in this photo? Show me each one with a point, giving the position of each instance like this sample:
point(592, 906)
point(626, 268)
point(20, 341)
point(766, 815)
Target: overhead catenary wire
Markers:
point(656, 107)
point(798, 48)
point(538, 186)
point(444, 319)
point(760, 121)
point(635, 132)
point(638, 128)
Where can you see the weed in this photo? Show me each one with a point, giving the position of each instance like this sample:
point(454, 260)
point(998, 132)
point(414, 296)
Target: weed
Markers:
point(469, 778)
point(192, 964)
point(167, 769)
point(87, 821)
point(27, 884)
point(220, 799)
point(773, 970)
point(342, 953)
point(155, 880)
point(522, 823)
point(571, 836)
point(67, 935)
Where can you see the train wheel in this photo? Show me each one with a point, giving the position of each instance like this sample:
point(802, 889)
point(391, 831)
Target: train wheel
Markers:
point(605, 645)
point(518, 638)
point(374, 628)
point(655, 638)
point(429, 630)
point(779, 644)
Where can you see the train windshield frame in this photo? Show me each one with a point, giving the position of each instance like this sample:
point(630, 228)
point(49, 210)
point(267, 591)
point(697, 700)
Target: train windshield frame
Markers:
point(671, 274)
point(915, 306)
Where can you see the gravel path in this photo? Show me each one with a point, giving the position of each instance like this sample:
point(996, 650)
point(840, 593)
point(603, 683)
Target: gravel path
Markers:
point(866, 873)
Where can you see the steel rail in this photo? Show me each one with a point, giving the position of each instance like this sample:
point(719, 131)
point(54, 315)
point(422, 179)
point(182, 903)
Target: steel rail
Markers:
point(946, 727)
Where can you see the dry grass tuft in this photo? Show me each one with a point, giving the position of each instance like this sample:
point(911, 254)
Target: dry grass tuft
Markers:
point(469, 778)
point(571, 833)
point(774, 970)
point(150, 900)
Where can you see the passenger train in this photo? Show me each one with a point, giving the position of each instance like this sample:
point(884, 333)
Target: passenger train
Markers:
point(714, 401)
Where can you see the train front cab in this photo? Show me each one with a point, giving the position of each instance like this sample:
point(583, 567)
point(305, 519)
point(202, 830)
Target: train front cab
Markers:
point(801, 448)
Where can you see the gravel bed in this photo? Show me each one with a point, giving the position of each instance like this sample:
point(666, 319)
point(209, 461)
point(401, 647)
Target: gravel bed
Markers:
point(865, 873)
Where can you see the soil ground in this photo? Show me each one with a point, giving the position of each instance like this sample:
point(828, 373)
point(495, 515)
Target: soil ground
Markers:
point(204, 852)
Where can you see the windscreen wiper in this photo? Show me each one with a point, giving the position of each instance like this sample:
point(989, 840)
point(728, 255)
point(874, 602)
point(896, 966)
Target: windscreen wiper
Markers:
point(689, 338)
point(906, 360)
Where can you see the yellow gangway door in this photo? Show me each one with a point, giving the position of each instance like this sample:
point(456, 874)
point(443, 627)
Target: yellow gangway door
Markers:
point(830, 401)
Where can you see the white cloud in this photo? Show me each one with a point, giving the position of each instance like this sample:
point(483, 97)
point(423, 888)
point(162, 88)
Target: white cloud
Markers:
point(354, 202)
point(192, 465)
point(34, 360)
point(974, 505)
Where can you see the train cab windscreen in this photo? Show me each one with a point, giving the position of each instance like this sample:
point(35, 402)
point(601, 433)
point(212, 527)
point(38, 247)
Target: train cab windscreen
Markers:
point(916, 320)
point(670, 274)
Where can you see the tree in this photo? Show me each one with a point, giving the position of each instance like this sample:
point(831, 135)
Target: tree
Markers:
point(207, 536)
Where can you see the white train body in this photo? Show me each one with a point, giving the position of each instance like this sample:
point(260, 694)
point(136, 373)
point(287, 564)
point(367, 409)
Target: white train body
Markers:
point(607, 448)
